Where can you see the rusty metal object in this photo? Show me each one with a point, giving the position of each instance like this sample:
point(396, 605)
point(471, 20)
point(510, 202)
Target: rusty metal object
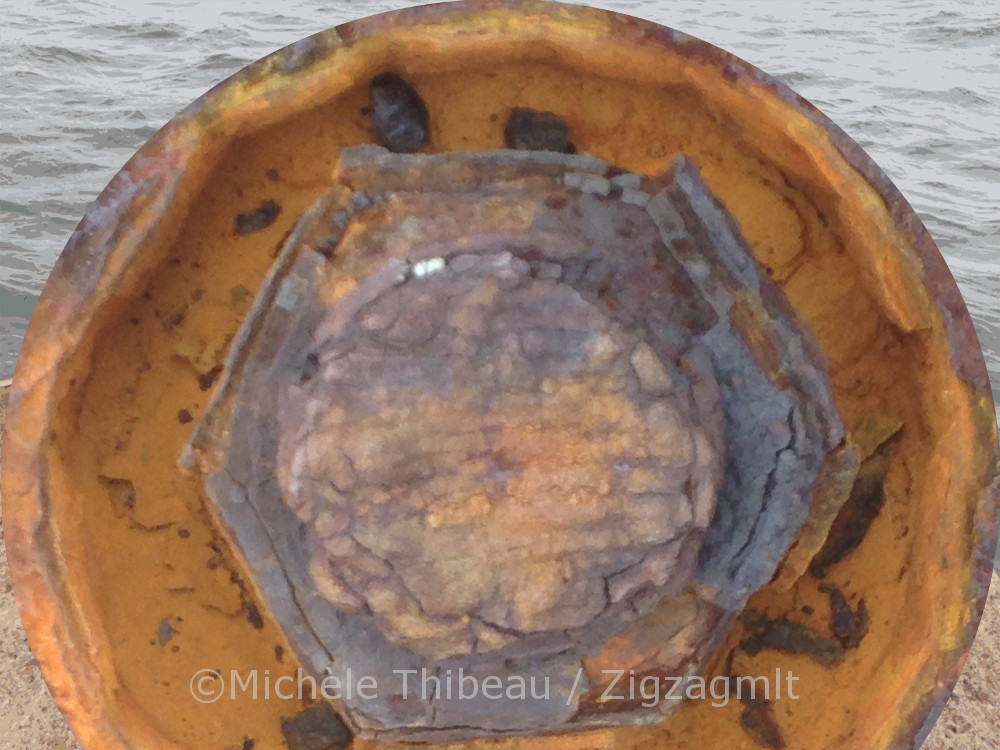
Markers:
point(245, 256)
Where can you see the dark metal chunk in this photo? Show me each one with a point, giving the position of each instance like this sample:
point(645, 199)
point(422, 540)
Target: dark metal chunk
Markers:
point(531, 130)
point(316, 728)
point(399, 115)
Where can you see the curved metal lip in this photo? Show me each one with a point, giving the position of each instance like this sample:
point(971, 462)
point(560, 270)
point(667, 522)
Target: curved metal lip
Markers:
point(94, 260)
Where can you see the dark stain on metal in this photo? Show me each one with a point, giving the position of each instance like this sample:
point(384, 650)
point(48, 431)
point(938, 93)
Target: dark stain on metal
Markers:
point(207, 379)
point(239, 293)
point(121, 493)
point(310, 367)
point(165, 632)
point(850, 626)
point(757, 718)
point(856, 517)
point(260, 218)
point(253, 615)
point(781, 634)
point(316, 728)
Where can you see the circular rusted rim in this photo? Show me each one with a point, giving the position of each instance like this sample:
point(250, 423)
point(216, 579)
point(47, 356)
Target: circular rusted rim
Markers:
point(101, 251)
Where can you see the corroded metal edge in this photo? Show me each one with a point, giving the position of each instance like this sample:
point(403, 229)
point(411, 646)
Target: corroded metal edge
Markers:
point(105, 248)
point(100, 252)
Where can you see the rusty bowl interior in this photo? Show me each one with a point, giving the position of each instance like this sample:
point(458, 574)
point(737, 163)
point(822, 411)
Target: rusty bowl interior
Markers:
point(127, 594)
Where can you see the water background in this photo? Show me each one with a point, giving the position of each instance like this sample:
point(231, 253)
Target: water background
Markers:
point(83, 83)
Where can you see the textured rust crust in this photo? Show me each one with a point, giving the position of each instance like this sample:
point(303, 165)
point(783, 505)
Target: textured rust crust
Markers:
point(480, 419)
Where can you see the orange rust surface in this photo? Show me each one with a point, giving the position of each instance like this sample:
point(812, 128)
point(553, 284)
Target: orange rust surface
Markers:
point(119, 571)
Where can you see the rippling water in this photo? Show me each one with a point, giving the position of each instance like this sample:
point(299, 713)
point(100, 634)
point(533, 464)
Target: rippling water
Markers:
point(86, 82)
